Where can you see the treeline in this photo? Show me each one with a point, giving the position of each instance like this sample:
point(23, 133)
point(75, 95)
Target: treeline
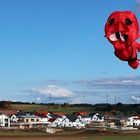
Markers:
point(5, 104)
point(100, 105)
point(116, 108)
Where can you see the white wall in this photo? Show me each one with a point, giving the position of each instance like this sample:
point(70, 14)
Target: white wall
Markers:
point(4, 121)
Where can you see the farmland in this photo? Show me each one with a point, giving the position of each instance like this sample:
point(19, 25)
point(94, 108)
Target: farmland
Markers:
point(70, 138)
point(71, 134)
point(37, 107)
point(127, 109)
point(114, 138)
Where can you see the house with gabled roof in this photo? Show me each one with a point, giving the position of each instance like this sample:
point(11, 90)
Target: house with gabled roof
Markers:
point(85, 119)
point(82, 113)
point(55, 122)
point(44, 116)
point(96, 117)
point(72, 121)
point(92, 117)
point(116, 121)
point(4, 121)
point(27, 120)
point(133, 121)
point(10, 113)
point(13, 118)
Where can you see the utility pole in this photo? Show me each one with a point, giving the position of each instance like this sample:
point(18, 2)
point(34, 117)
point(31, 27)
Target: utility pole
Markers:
point(115, 100)
point(49, 98)
point(107, 96)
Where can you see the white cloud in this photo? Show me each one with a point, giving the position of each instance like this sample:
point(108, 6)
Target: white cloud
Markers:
point(134, 98)
point(38, 99)
point(53, 91)
point(127, 81)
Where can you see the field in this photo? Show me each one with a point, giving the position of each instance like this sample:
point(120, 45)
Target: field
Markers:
point(127, 109)
point(69, 135)
point(36, 107)
point(71, 138)
point(114, 138)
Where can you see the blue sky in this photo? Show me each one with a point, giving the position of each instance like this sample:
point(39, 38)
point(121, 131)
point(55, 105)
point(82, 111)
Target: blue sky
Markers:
point(51, 47)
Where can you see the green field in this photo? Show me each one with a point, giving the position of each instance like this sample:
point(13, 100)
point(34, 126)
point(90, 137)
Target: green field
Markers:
point(30, 107)
point(128, 110)
point(114, 138)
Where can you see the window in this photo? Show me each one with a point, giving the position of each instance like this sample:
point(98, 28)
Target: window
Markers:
point(32, 120)
point(6, 120)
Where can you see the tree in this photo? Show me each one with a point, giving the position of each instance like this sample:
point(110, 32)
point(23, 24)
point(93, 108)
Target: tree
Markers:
point(5, 104)
point(119, 104)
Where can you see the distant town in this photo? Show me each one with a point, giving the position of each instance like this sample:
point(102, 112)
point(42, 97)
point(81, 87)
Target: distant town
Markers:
point(14, 115)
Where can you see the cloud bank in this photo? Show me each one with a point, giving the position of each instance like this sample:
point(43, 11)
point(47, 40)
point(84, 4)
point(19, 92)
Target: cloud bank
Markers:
point(135, 99)
point(53, 91)
point(121, 89)
point(50, 94)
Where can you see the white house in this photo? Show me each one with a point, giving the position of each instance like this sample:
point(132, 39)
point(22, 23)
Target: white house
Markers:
point(133, 121)
point(44, 119)
point(96, 117)
point(72, 121)
point(93, 117)
point(44, 116)
point(26, 120)
point(4, 120)
point(13, 118)
point(85, 119)
point(55, 122)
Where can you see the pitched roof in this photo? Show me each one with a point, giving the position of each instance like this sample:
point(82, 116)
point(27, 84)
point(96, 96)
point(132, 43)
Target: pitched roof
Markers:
point(52, 119)
point(41, 114)
point(59, 113)
point(44, 113)
point(99, 116)
point(137, 118)
point(108, 114)
point(92, 114)
point(72, 117)
point(81, 113)
point(8, 112)
point(28, 116)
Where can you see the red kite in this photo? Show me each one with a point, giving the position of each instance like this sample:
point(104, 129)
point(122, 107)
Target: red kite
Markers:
point(122, 31)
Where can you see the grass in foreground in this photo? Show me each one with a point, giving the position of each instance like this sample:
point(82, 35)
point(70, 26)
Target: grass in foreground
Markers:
point(114, 138)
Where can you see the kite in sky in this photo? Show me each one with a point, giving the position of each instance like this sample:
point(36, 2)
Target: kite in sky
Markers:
point(122, 31)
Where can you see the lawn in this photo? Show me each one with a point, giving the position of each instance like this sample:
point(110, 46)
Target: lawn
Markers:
point(113, 138)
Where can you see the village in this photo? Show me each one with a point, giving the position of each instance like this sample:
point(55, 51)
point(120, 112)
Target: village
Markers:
point(55, 121)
